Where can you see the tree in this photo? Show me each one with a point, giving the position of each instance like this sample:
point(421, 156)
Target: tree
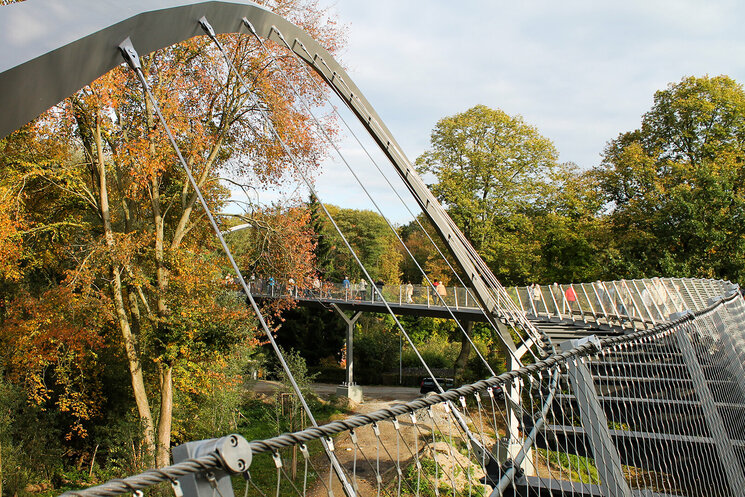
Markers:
point(674, 186)
point(490, 168)
point(141, 236)
point(371, 239)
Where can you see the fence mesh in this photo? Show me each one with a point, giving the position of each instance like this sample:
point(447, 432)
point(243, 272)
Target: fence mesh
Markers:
point(655, 412)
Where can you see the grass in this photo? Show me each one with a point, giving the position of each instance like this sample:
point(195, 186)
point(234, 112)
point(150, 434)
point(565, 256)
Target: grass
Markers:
point(579, 468)
point(260, 422)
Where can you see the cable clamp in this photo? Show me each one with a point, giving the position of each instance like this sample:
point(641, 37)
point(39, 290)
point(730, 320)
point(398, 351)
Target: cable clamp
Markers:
point(353, 436)
point(304, 451)
point(592, 340)
point(413, 417)
point(680, 315)
point(510, 464)
point(207, 27)
point(277, 459)
point(130, 54)
point(376, 430)
point(462, 401)
point(395, 424)
point(250, 27)
point(177, 490)
point(210, 476)
point(234, 452)
point(330, 442)
point(490, 391)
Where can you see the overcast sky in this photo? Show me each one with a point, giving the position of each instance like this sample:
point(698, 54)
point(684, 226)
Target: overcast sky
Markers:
point(581, 72)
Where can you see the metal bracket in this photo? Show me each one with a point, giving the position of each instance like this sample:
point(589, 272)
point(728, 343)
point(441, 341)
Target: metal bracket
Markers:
point(726, 452)
point(595, 425)
point(592, 339)
point(207, 27)
point(680, 315)
point(234, 453)
point(130, 54)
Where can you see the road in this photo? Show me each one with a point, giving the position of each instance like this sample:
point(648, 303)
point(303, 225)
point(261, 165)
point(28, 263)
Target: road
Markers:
point(370, 393)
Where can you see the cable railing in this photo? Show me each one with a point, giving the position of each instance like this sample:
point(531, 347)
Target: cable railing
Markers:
point(654, 412)
point(626, 304)
point(659, 410)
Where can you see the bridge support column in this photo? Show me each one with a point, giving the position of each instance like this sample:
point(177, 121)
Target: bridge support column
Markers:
point(349, 389)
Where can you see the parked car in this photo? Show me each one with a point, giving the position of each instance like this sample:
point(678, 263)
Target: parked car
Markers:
point(428, 385)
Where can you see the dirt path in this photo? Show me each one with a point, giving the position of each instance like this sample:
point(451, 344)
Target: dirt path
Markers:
point(373, 454)
point(390, 449)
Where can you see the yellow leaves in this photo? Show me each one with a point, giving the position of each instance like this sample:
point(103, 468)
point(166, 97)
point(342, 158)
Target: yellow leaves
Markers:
point(53, 344)
point(11, 244)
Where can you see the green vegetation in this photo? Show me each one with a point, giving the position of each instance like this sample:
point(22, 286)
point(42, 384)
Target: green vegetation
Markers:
point(122, 333)
point(576, 468)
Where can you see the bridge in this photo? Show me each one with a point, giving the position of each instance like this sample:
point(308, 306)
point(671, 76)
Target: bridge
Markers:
point(650, 402)
point(563, 312)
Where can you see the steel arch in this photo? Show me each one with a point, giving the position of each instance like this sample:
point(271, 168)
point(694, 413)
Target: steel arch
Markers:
point(51, 49)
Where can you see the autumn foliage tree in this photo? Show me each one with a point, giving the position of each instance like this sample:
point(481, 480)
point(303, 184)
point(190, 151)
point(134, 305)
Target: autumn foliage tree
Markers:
point(140, 236)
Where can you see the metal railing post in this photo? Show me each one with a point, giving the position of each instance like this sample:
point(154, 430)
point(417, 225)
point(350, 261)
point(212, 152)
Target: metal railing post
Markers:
point(595, 425)
point(727, 457)
point(633, 302)
point(646, 308)
point(589, 302)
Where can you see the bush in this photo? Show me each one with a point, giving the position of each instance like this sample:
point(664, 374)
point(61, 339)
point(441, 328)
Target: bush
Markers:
point(375, 349)
point(437, 352)
point(29, 442)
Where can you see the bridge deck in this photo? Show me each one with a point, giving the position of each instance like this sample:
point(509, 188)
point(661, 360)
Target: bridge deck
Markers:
point(558, 330)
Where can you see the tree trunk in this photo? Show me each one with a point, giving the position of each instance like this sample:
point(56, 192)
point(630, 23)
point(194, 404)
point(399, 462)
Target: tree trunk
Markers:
point(465, 351)
point(162, 275)
point(166, 414)
point(133, 360)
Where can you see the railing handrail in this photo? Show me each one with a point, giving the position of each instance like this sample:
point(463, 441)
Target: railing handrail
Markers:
point(635, 304)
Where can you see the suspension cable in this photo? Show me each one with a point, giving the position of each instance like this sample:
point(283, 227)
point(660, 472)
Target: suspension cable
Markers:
point(461, 422)
point(132, 58)
point(325, 135)
point(522, 322)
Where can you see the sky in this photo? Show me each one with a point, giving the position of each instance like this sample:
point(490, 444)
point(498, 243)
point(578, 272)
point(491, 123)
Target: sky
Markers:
point(580, 71)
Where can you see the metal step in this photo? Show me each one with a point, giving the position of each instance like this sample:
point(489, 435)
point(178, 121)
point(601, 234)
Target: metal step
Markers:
point(681, 457)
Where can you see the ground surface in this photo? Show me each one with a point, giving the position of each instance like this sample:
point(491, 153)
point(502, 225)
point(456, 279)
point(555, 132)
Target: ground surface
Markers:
point(373, 393)
point(383, 453)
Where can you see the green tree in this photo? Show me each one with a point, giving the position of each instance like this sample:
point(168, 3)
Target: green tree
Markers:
point(490, 169)
point(674, 186)
point(369, 236)
point(568, 230)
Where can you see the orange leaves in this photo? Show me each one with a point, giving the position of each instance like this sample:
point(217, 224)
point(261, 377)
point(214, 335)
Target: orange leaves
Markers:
point(52, 346)
point(117, 223)
point(11, 248)
point(280, 244)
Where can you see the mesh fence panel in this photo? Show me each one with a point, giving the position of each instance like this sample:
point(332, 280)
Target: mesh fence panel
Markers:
point(656, 412)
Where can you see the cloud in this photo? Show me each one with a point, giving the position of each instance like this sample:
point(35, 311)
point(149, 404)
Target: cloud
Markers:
point(581, 72)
